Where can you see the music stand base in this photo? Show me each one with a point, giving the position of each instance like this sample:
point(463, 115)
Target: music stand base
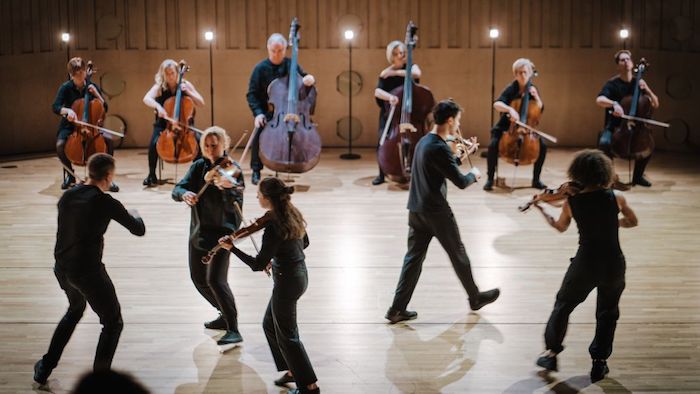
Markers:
point(350, 156)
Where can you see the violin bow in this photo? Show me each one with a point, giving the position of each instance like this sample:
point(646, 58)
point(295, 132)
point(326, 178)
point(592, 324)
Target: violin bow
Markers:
point(255, 245)
point(542, 134)
point(250, 141)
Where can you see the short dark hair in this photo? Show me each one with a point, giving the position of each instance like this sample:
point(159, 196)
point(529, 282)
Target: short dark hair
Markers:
point(591, 167)
point(620, 52)
point(100, 165)
point(444, 110)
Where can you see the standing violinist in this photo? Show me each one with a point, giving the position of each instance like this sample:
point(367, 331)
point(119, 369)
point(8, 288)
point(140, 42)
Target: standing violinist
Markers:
point(610, 96)
point(283, 244)
point(213, 215)
point(69, 92)
point(165, 86)
point(275, 66)
point(430, 214)
point(599, 262)
point(523, 69)
point(389, 79)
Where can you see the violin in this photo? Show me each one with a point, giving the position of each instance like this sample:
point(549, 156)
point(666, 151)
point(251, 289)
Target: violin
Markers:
point(395, 153)
point(462, 147)
point(86, 139)
point(551, 196)
point(227, 168)
point(243, 232)
point(178, 143)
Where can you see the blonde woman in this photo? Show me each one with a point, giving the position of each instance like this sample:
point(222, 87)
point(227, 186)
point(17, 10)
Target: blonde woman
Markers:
point(165, 86)
point(389, 79)
point(213, 216)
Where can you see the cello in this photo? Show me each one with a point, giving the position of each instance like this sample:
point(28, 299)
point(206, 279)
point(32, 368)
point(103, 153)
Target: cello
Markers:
point(178, 143)
point(289, 142)
point(519, 145)
point(86, 139)
point(395, 153)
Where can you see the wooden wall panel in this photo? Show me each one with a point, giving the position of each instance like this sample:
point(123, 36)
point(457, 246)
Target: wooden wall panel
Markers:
point(480, 24)
point(651, 24)
point(256, 26)
point(458, 17)
point(6, 28)
point(82, 22)
point(105, 9)
point(359, 8)
point(186, 26)
point(307, 11)
point(156, 30)
point(21, 19)
point(695, 17)
point(134, 24)
point(205, 20)
point(234, 23)
point(611, 13)
point(533, 24)
point(582, 36)
point(46, 25)
point(429, 23)
point(558, 22)
point(672, 15)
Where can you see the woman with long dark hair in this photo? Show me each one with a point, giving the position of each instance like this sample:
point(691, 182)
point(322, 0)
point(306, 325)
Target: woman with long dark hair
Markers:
point(283, 244)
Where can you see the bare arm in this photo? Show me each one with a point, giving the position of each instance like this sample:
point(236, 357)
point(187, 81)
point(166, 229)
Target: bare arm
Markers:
point(192, 92)
point(150, 100)
point(605, 102)
point(500, 106)
point(561, 224)
point(629, 218)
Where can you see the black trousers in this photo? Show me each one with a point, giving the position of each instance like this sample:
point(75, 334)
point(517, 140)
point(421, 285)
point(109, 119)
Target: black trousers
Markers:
point(585, 274)
point(492, 157)
point(96, 289)
point(61, 139)
point(255, 162)
point(605, 144)
point(211, 280)
point(422, 227)
point(280, 325)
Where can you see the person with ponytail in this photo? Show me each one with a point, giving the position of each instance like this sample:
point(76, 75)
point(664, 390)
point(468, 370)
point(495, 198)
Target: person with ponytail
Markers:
point(283, 244)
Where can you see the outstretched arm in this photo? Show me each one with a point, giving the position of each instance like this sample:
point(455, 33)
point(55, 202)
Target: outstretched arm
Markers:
point(561, 224)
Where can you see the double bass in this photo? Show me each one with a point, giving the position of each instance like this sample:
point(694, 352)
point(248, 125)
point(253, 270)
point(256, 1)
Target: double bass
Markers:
point(289, 142)
point(633, 139)
point(395, 153)
point(178, 143)
point(519, 145)
point(86, 139)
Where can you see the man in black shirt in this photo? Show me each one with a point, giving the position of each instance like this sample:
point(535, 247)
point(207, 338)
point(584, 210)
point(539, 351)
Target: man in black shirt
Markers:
point(69, 92)
point(431, 216)
point(275, 66)
point(523, 69)
point(84, 213)
point(613, 91)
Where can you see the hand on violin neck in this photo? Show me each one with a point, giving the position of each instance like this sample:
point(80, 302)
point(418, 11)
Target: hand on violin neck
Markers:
point(190, 198)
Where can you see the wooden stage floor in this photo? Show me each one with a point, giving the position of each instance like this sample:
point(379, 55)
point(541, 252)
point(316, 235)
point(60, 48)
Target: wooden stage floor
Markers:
point(358, 239)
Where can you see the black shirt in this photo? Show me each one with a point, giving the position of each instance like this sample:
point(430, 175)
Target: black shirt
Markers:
point(286, 254)
point(433, 161)
point(165, 94)
point(596, 217)
point(388, 84)
point(615, 89)
point(510, 93)
point(84, 212)
point(263, 74)
point(214, 215)
point(65, 97)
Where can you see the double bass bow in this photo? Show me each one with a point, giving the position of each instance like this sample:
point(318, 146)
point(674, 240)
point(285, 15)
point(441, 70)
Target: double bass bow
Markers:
point(395, 153)
point(289, 142)
point(177, 143)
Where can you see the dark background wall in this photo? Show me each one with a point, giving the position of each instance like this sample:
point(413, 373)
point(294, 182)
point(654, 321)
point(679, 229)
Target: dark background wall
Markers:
point(571, 42)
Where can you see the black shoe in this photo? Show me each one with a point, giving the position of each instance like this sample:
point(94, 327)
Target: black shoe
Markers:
point(150, 180)
point(113, 187)
point(537, 184)
point(304, 390)
point(599, 370)
point(68, 182)
point(284, 379)
point(488, 186)
point(41, 374)
point(378, 180)
point(641, 181)
point(230, 338)
point(548, 362)
point(485, 298)
point(255, 178)
point(217, 324)
point(397, 316)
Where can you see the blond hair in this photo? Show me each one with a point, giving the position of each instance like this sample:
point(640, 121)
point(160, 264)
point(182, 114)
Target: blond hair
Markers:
point(390, 49)
point(523, 62)
point(75, 64)
point(217, 132)
point(160, 75)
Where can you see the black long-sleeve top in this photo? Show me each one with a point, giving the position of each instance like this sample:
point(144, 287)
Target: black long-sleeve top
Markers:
point(214, 215)
point(433, 162)
point(84, 212)
point(616, 89)
point(286, 254)
point(263, 74)
point(65, 97)
point(510, 93)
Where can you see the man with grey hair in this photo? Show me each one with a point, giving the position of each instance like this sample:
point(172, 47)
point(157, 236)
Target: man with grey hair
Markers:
point(275, 66)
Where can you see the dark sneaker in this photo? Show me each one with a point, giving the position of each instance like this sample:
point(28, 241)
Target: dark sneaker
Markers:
point(230, 338)
point(284, 379)
point(68, 182)
point(397, 316)
point(255, 178)
point(41, 374)
point(599, 370)
point(485, 298)
point(113, 187)
point(304, 390)
point(217, 324)
point(378, 180)
point(488, 186)
point(537, 184)
point(641, 181)
point(548, 362)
